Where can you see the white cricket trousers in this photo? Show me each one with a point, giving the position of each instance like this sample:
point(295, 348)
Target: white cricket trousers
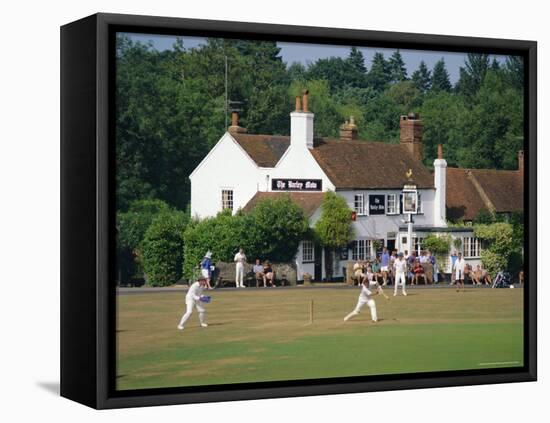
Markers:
point(400, 279)
point(239, 275)
point(190, 304)
point(371, 304)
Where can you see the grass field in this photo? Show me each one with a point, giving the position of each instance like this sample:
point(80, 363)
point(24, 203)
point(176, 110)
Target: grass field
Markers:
point(263, 335)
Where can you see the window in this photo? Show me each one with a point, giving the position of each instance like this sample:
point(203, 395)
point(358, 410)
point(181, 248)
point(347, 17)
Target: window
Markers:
point(391, 206)
point(418, 244)
point(472, 247)
point(307, 251)
point(227, 199)
point(361, 249)
point(359, 204)
point(420, 207)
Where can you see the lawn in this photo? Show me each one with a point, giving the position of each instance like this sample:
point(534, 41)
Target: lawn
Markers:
point(264, 335)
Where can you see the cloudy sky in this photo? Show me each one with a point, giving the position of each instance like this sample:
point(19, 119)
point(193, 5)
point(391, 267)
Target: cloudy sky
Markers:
point(305, 53)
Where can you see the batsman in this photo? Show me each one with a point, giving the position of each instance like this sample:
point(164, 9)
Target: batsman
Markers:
point(194, 298)
point(364, 299)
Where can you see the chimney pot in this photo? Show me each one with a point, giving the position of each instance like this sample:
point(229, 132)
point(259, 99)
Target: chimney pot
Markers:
point(298, 104)
point(439, 151)
point(235, 128)
point(305, 101)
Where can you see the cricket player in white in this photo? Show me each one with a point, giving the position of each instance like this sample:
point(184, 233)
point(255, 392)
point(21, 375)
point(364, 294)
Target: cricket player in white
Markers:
point(400, 266)
point(193, 299)
point(459, 272)
point(364, 298)
point(240, 259)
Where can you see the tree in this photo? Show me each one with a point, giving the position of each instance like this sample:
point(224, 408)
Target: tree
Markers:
point(472, 74)
point(357, 73)
point(421, 78)
point(514, 70)
point(398, 71)
point(276, 228)
point(379, 74)
point(333, 229)
point(498, 243)
point(163, 249)
point(439, 246)
point(440, 77)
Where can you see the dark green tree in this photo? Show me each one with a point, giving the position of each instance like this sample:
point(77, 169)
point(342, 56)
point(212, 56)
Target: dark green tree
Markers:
point(421, 78)
point(379, 75)
point(440, 77)
point(398, 71)
point(472, 74)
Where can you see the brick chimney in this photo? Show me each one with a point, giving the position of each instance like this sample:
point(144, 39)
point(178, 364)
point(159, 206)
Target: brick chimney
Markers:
point(235, 128)
point(520, 161)
point(301, 123)
point(411, 134)
point(348, 130)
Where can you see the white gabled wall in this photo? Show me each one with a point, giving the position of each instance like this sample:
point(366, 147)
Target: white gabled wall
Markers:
point(227, 166)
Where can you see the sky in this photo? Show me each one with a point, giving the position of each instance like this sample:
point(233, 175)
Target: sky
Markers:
point(305, 53)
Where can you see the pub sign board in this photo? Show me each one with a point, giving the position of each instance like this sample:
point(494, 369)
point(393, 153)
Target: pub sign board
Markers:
point(377, 204)
point(296, 185)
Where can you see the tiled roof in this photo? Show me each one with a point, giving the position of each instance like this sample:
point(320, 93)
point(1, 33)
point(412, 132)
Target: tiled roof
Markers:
point(265, 150)
point(369, 165)
point(309, 202)
point(351, 164)
point(501, 190)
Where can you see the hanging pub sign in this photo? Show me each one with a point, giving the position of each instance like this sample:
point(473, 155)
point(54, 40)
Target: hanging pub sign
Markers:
point(377, 204)
point(410, 199)
point(296, 185)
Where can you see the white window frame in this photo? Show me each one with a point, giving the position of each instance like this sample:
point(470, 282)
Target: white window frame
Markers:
point(395, 204)
point(417, 244)
point(308, 252)
point(228, 203)
point(361, 209)
point(472, 247)
point(361, 250)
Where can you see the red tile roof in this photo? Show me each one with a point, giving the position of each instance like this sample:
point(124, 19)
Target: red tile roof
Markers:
point(309, 202)
point(350, 164)
point(501, 190)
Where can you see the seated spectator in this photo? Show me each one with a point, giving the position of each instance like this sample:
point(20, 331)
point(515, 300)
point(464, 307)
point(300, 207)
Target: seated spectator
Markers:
point(477, 276)
point(359, 271)
point(258, 271)
point(468, 273)
point(375, 265)
point(269, 275)
point(486, 277)
point(418, 271)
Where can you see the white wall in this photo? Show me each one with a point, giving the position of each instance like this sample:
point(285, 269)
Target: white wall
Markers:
point(378, 226)
point(227, 166)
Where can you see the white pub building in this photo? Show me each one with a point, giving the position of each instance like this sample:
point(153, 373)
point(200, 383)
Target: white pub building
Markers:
point(243, 168)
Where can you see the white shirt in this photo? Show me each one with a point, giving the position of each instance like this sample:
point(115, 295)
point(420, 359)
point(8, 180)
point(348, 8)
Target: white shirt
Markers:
point(240, 258)
point(424, 259)
point(194, 292)
point(365, 293)
point(459, 265)
point(400, 266)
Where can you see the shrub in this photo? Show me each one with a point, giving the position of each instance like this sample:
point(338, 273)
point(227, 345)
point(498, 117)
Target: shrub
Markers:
point(500, 250)
point(275, 229)
point(222, 234)
point(334, 229)
point(438, 245)
point(162, 248)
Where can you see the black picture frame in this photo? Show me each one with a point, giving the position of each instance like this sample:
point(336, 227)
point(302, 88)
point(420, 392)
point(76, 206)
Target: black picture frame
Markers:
point(87, 215)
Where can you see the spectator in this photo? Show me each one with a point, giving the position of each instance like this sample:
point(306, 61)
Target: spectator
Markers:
point(521, 277)
point(418, 271)
point(359, 271)
point(453, 261)
point(375, 265)
point(384, 265)
point(269, 275)
point(433, 262)
point(423, 257)
point(258, 271)
point(406, 255)
point(206, 268)
point(486, 277)
point(468, 273)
